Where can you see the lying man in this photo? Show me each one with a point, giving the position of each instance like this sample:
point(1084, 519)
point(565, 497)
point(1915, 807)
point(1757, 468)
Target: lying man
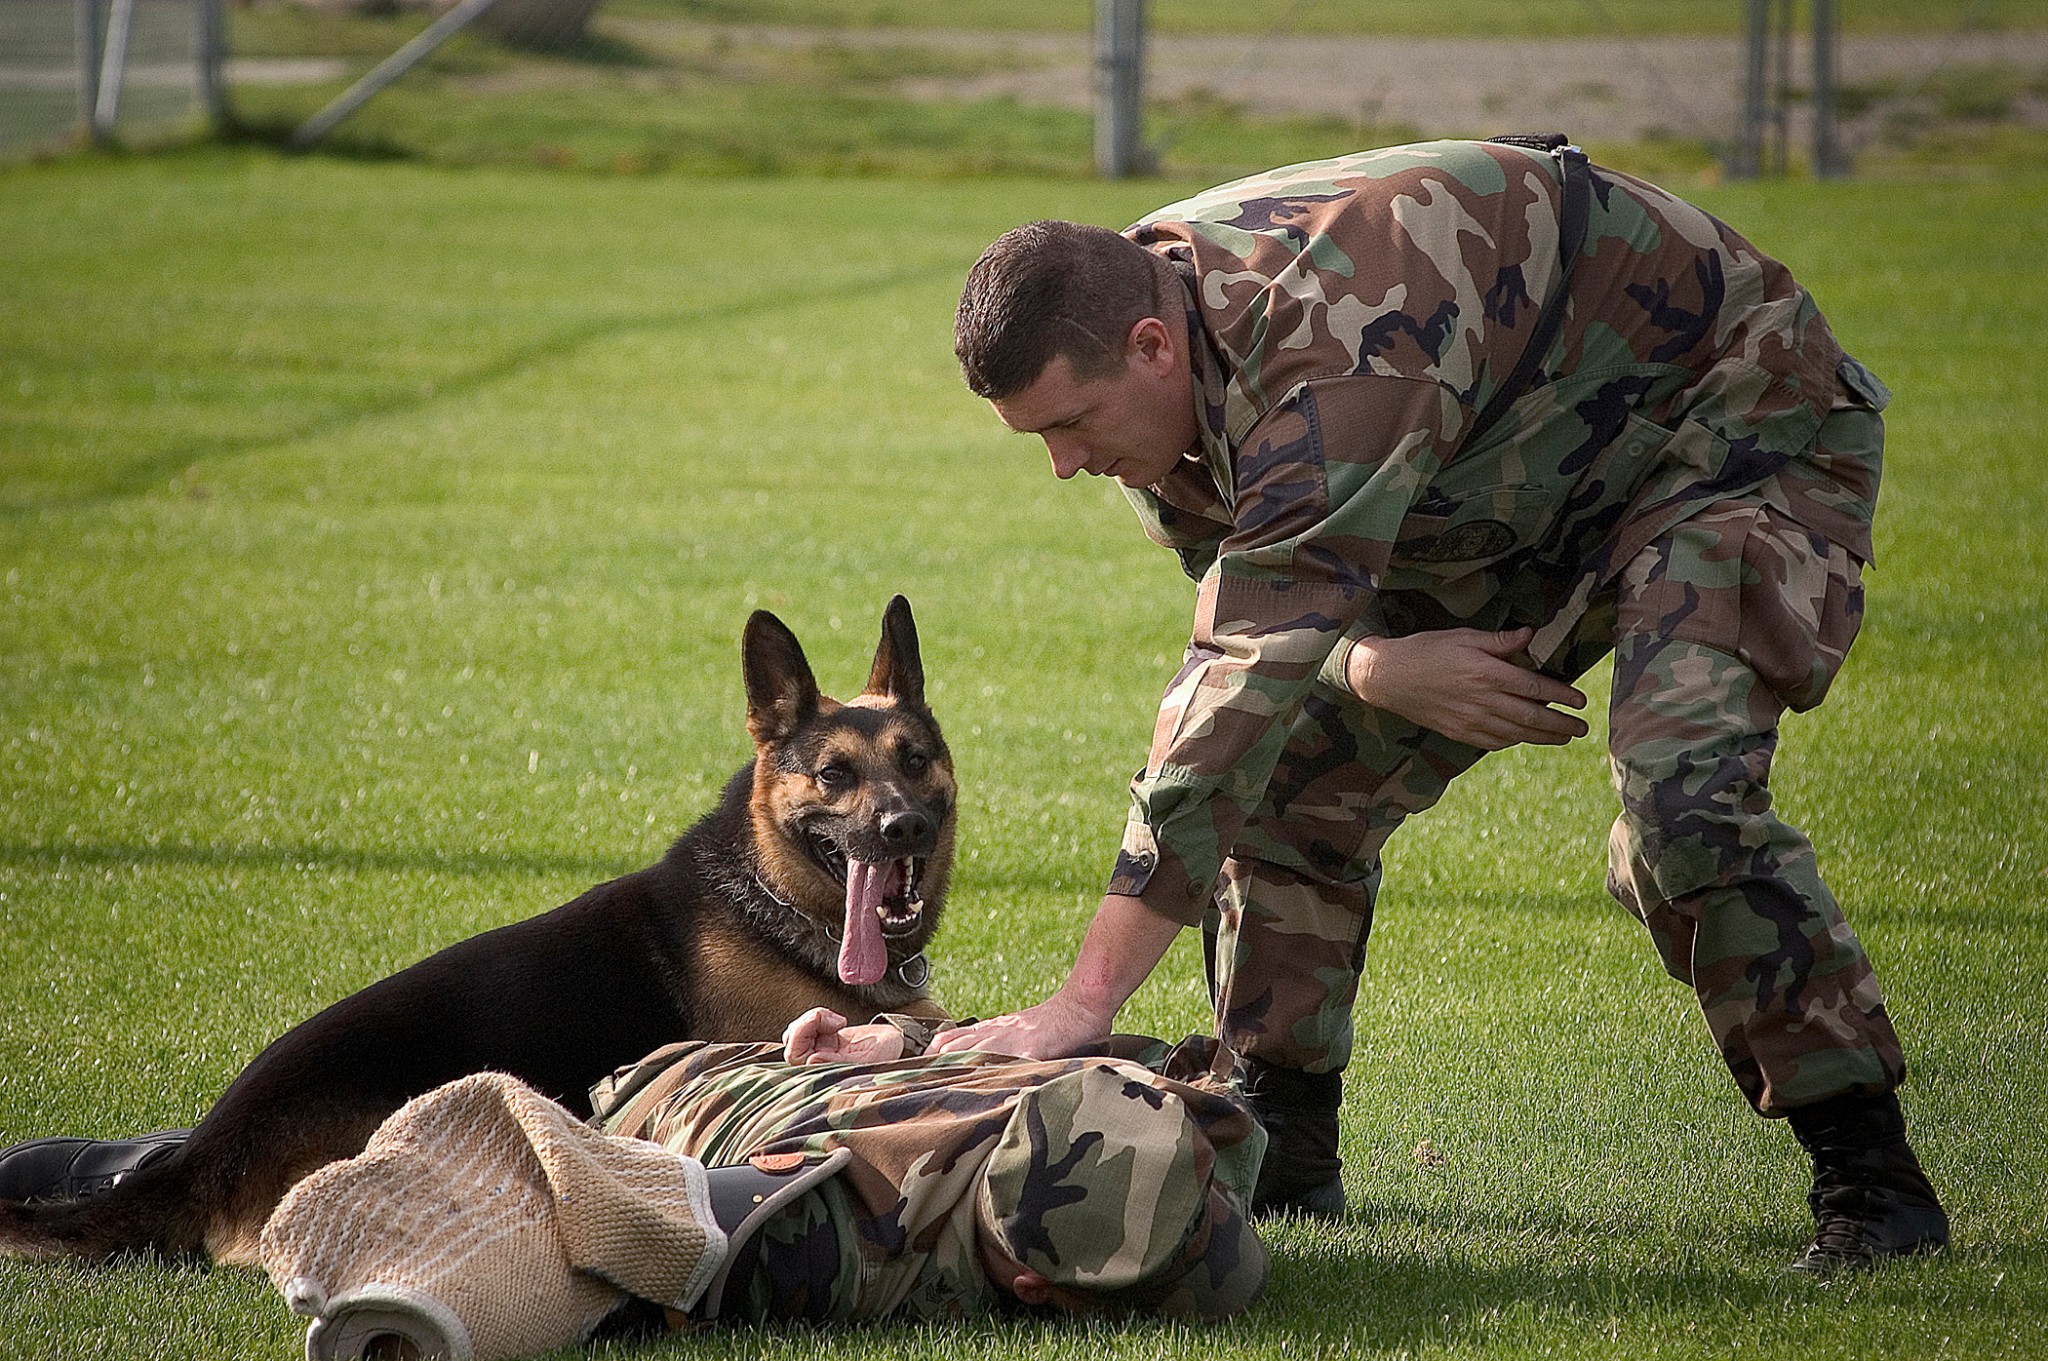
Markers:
point(725, 1183)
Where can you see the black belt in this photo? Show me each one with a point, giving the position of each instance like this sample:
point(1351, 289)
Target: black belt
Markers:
point(1577, 178)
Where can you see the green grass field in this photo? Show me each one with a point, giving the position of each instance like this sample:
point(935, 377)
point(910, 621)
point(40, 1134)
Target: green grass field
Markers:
point(374, 545)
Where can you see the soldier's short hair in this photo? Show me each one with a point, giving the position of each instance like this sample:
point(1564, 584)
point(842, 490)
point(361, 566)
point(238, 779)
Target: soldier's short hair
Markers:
point(1047, 289)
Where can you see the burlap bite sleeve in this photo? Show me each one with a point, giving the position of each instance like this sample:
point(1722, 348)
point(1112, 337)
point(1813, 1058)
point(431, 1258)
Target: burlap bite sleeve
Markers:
point(484, 1221)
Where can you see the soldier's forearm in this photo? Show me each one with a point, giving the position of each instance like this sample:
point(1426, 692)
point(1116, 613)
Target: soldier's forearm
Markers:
point(1125, 942)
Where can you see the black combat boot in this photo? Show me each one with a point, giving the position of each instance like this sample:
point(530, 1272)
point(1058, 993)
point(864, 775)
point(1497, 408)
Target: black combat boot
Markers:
point(1870, 1199)
point(74, 1169)
point(1302, 1173)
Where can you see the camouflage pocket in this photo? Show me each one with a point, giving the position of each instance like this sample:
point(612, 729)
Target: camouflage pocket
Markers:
point(1802, 610)
point(1442, 539)
point(1864, 386)
point(1746, 580)
point(1569, 492)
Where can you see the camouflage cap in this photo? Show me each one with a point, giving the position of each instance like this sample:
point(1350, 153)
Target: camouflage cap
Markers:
point(1102, 1183)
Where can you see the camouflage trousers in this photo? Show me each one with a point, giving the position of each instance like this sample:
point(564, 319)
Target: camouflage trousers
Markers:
point(1717, 628)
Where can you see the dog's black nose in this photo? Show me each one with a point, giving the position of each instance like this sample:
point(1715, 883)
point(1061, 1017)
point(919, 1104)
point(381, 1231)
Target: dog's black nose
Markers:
point(905, 829)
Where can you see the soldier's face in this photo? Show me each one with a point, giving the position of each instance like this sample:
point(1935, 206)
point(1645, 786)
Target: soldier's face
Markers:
point(1132, 424)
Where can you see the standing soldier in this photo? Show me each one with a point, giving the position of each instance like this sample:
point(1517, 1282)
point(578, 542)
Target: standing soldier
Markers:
point(1435, 428)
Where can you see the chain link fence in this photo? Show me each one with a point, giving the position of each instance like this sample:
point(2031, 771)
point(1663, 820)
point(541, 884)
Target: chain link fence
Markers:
point(687, 83)
point(127, 70)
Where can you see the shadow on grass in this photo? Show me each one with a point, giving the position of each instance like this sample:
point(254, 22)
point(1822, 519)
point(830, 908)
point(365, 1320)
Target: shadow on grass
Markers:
point(1401, 1303)
point(609, 49)
point(275, 134)
point(1401, 1300)
point(1342, 1296)
point(1344, 1299)
point(354, 861)
point(136, 476)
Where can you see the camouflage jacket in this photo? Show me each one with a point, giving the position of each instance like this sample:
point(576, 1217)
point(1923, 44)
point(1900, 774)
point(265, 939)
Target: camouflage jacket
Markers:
point(1349, 318)
point(893, 1235)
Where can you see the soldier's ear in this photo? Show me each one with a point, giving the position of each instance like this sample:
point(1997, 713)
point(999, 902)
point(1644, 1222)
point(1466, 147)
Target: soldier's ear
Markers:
point(1151, 344)
point(1030, 1287)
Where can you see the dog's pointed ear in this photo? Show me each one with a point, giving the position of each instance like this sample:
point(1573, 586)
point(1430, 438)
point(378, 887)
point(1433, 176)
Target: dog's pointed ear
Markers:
point(782, 695)
point(898, 671)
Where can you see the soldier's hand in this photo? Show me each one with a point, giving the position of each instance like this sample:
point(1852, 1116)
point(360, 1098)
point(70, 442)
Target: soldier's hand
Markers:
point(823, 1036)
point(1465, 684)
point(1052, 1029)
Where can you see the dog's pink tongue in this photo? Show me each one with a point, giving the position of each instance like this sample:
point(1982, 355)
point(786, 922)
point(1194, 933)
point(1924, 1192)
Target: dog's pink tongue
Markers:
point(863, 954)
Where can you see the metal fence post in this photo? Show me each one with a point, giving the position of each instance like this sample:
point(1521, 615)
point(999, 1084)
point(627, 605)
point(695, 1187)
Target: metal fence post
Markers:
point(113, 70)
point(1828, 163)
point(1781, 93)
point(87, 15)
point(1120, 88)
point(211, 41)
point(1749, 149)
point(390, 69)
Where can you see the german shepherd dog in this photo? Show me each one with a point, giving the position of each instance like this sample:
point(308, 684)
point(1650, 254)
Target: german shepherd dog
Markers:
point(816, 881)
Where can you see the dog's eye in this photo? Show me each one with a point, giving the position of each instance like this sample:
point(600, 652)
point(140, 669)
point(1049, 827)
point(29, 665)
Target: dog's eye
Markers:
point(836, 775)
point(915, 762)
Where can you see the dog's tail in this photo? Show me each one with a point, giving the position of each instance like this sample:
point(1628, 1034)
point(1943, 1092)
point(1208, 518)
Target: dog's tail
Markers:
point(159, 1209)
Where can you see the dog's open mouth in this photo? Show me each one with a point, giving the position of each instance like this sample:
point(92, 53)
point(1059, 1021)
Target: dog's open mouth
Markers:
point(881, 901)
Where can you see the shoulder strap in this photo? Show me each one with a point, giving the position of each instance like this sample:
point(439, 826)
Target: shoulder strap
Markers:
point(1576, 176)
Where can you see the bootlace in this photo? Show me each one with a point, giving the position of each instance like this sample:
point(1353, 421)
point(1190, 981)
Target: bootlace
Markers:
point(1841, 1209)
point(1839, 1234)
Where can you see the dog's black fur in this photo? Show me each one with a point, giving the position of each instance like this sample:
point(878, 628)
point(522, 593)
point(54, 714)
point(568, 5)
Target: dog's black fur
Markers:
point(730, 935)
